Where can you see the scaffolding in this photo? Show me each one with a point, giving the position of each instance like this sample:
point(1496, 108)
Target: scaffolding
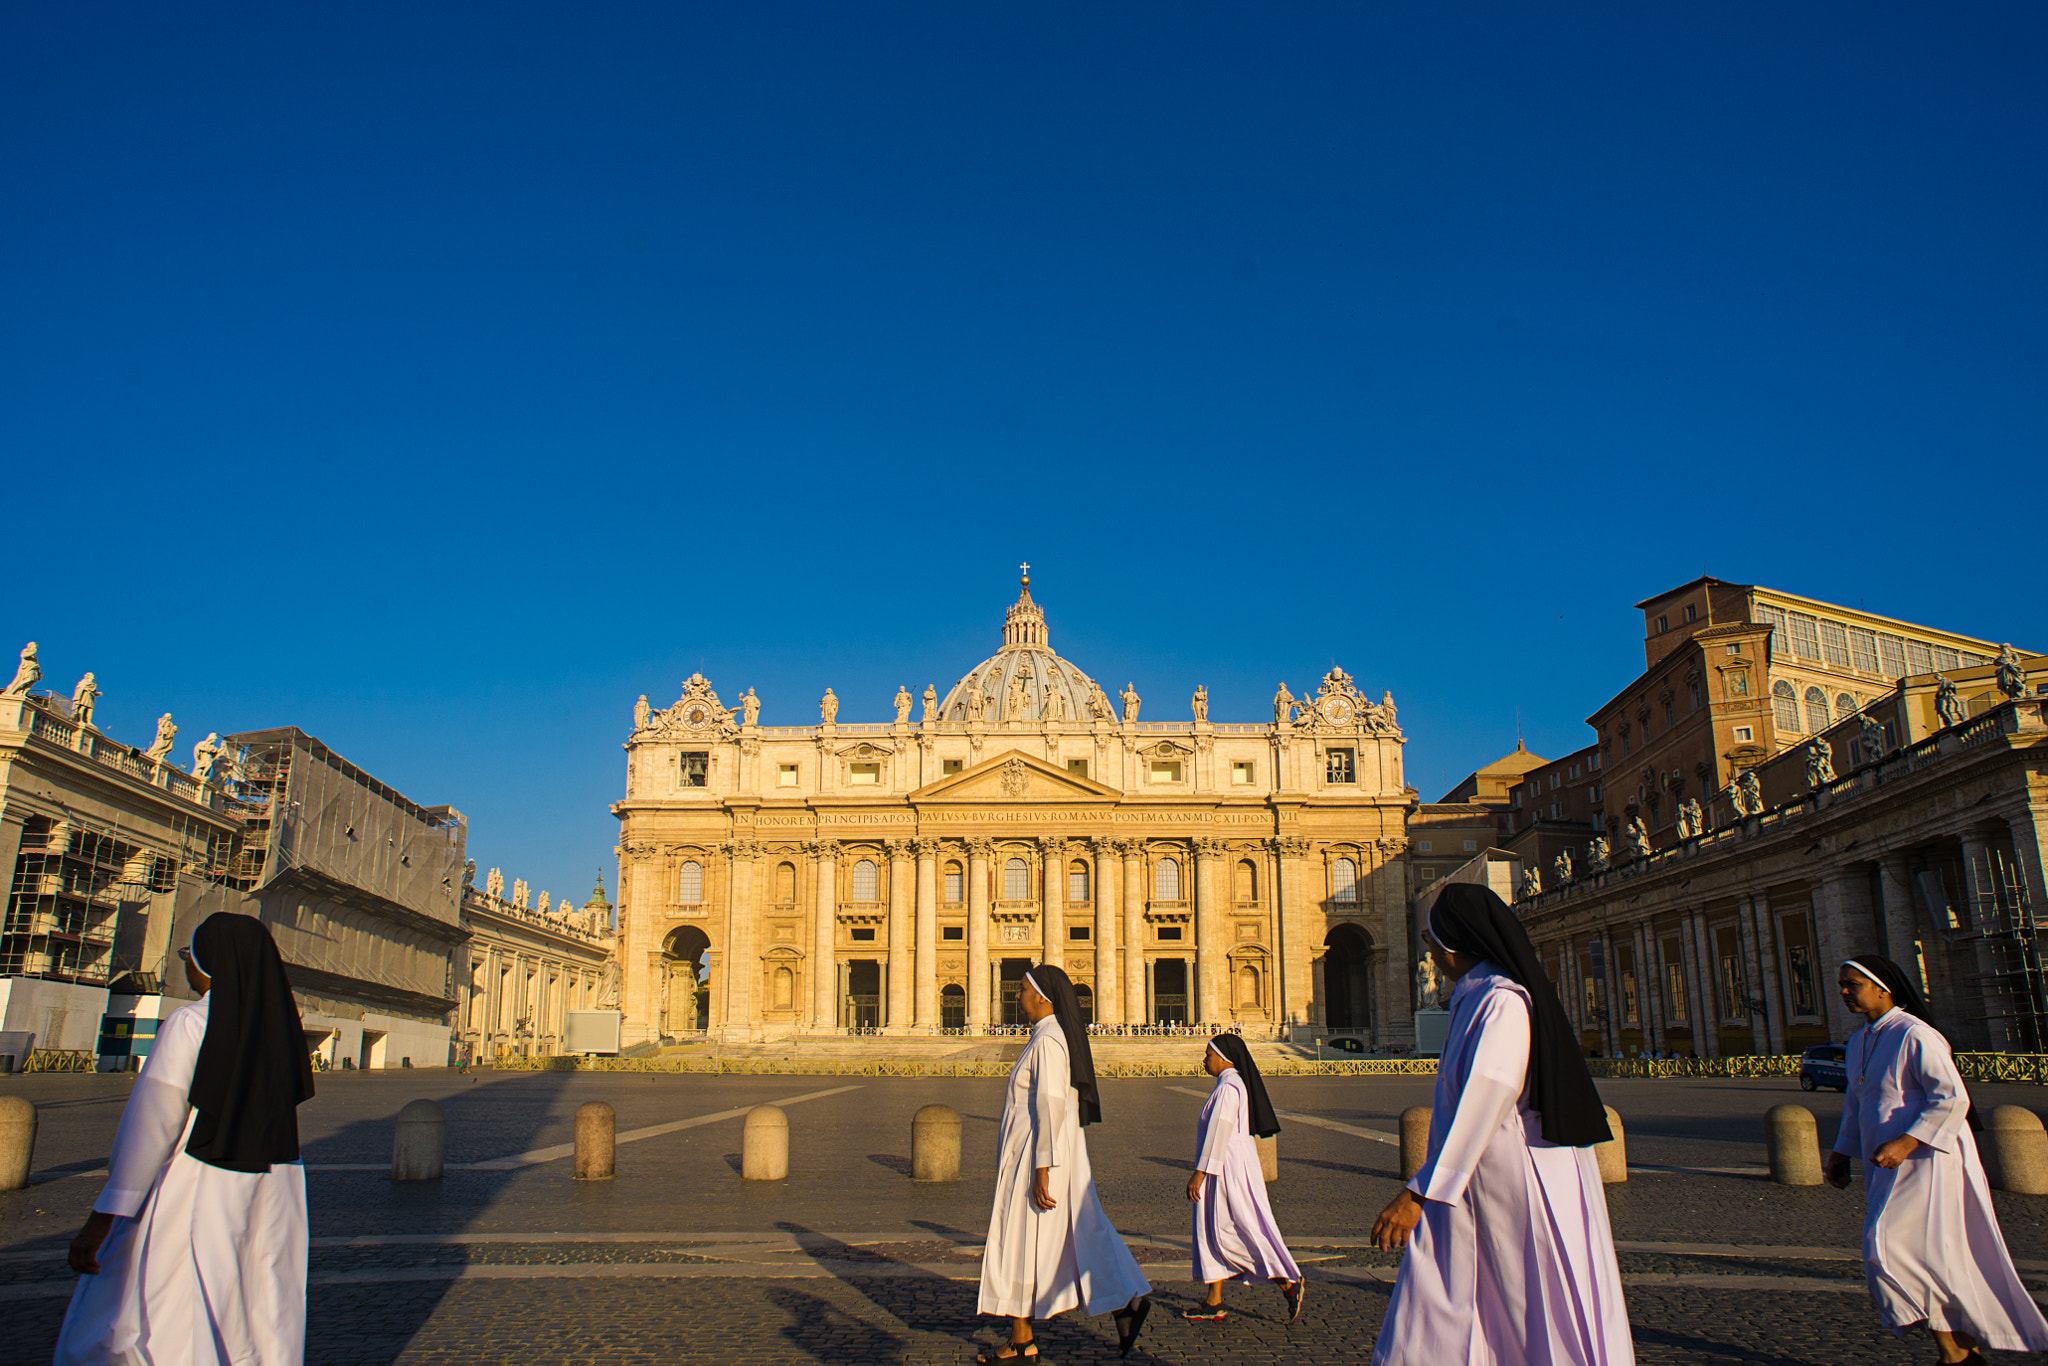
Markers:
point(2003, 930)
point(71, 885)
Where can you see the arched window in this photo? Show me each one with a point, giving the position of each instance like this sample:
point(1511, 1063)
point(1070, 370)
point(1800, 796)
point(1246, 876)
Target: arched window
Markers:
point(1166, 881)
point(1077, 881)
point(1016, 880)
point(1816, 710)
point(1784, 706)
point(1845, 707)
point(956, 884)
point(1084, 996)
point(863, 888)
point(1344, 881)
point(1247, 880)
point(690, 884)
point(785, 884)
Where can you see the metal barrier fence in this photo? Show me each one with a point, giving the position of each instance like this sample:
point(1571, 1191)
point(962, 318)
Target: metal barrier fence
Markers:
point(60, 1060)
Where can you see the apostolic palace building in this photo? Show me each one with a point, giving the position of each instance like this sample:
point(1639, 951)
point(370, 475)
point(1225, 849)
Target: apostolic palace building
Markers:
point(901, 876)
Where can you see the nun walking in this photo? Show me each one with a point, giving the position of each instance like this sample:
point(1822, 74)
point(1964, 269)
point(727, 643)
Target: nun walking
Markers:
point(1236, 1235)
point(1509, 1259)
point(1050, 1246)
point(196, 1249)
point(1932, 1251)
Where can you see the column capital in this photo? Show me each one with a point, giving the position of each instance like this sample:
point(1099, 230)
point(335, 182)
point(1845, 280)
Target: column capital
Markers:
point(824, 850)
point(1292, 846)
point(746, 849)
point(1114, 846)
point(1208, 846)
point(898, 849)
point(1052, 846)
point(928, 846)
point(981, 847)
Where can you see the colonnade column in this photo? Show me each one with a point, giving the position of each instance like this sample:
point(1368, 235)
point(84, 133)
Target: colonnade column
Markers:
point(1107, 891)
point(1709, 987)
point(1052, 901)
point(1610, 994)
point(1830, 922)
point(1299, 944)
point(1898, 907)
point(901, 875)
point(741, 957)
point(1753, 978)
point(1133, 855)
point(1775, 1017)
point(1646, 990)
point(638, 890)
point(1211, 963)
point(927, 964)
point(825, 936)
point(979, 850)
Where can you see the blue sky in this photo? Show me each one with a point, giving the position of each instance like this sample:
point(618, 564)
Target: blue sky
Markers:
point(439, 378)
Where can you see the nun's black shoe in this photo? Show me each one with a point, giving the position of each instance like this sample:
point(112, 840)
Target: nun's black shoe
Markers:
point(1010, 1351)
point(1130, 1322)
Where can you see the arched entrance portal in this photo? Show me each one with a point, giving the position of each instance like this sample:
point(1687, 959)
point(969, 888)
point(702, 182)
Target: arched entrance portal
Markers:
point(686, 982)
point(1347, 978)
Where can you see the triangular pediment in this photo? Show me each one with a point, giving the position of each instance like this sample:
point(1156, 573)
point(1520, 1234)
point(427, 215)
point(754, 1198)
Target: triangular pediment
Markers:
point(1014, 776)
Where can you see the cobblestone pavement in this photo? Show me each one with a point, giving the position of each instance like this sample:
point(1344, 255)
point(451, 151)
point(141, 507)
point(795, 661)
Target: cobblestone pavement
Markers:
point(679, 1260)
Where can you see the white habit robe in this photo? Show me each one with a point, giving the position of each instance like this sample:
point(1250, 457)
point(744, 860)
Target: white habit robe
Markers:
point(1513, 1261)
point(1042, 1262)
point(203, 1265)
point(1235, 1232)
point(1932, 1251)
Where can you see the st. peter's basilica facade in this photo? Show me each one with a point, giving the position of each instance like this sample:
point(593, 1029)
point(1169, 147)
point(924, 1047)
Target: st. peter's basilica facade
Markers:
point(900, 877)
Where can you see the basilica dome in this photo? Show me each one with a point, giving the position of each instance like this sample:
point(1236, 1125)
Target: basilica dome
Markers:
point(1024, 680)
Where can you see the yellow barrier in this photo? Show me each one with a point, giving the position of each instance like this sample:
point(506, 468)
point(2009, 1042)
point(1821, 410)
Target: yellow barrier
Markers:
point(60, 1060)
point(887, 1067)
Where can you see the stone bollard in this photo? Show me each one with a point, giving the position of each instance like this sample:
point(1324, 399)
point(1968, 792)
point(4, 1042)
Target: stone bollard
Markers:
point(1791, 1145)
point(764, 1146)
point(1613, 1154)
point(1269, 1157)
point(2016, 1151)
point(597, 1127)
point(17, 1141)
point(419, 1148)
point(934, 1144)
point(1414, 1139)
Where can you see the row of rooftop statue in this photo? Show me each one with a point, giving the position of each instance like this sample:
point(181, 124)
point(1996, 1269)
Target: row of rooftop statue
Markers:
point(1050, 704)
point(207, 754)
point(197, 1246)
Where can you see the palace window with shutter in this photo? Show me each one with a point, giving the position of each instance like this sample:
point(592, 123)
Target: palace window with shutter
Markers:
point(1016, 880)
point(1166, 881)
point(1344, 880)
point(690, 884)
point(863, 886)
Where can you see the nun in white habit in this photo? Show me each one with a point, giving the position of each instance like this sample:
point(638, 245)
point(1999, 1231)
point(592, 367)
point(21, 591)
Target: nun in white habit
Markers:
point(196, 1249)
point(1236, 1235)
point(1509, 1258)
point(1050, 1246)
point(1932, 1251)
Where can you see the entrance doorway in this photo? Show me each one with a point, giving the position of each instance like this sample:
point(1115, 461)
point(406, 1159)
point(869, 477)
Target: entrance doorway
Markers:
point(1347, 978)
point(372, 1054)
point(1170, 991)
point(864, 994)
point(953, 1007)
point(1010, 981)
point(686, 982)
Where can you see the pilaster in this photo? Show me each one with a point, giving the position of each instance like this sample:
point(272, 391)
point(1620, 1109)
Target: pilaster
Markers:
point(742, 960)
point(1052, 900)
point(825, 936)
point(1132, 852)
point(901, 959)
point(1107, 889)
point(979, 851)
point(1299, 943)
point(927, 966)
point(1213, 1003)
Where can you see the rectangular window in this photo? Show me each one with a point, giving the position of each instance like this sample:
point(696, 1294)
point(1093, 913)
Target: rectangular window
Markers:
point(1919, 659)
point(1734, 649)
point(1891, 656)
point(696, 769)
point(948, 767)
point(863, 935)
point(1339, 766)
point(1166, 770)
point(1862, 649)
point(1077, 885)
point(1593, 762)
point(1834, 644)
point(1426, 874)
point(956, 886)
point(1745, 734)
point(1077, 932)
point(1946, 660)
point(1663, 624)
point(952, 932)
point(1805, 635)
point(1801, 958)
point(786, 776)
point(1592, 1002)
point(1169, 932)
point(864, 775)
point(1241, 774)
point(1078, 767)
point(1629, 1013)
point(1470, 845)
point(1674, 988)
point(1595, 820)
point(1775, 619)
point(1732, 1005)
point(1424, 845)
point(1692, 613)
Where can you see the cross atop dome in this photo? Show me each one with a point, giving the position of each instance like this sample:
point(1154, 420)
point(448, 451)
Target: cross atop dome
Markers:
point(1025, 624)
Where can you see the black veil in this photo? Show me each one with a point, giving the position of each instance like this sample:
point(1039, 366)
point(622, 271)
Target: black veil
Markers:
point(1238, 1054)
point(253, 1069)
point(1053, 984)
point(1474, 921)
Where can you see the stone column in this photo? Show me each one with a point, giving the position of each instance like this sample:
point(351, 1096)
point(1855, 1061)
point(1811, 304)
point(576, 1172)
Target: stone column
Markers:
point(1052, 900)
point(1107, 890)
point(1211, 936)
point(1301, 943)
point(1761, 1031)
point(1574, 985)
point(927, 963)
point(979, 851)
point(637, 880)
point(1133, 855)
point(1649, 997)
point(901, 884)
point(1397, 974)
point(1982, 895)
point(1837, 942)
point(1708, 989)
point(741, 957)
point(1610, 994)
point(825, 937)
point(1778, 1013)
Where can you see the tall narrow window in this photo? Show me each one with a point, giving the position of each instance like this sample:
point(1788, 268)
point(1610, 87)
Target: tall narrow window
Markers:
point(1845, 707)
point(1166, 881)
point(1816, 710)
point(1674, 992)
point(956, 884)
point(1344, 881)
point(690, 884)
point(1077, 881)
point(1805, 635)
point(1834, 644)
point(785, 884)
point(1016, 880)
point(1247, 882)
point(863, 888)
point(1784, 706)
point(1862, 650)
